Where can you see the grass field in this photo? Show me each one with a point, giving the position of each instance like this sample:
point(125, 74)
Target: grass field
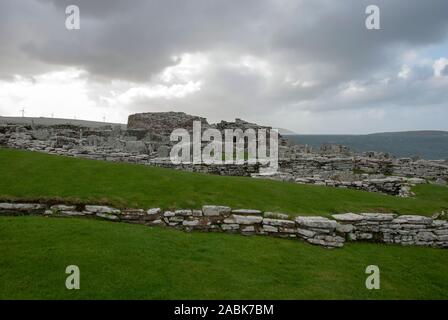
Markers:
point(122, 261)
point(28, 175)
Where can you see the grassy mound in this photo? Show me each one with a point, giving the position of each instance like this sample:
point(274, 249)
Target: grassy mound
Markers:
point(28, 175)
point(122, 261)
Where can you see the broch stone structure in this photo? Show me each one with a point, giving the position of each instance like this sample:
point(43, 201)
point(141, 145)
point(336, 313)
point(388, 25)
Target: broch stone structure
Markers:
point(146, 140)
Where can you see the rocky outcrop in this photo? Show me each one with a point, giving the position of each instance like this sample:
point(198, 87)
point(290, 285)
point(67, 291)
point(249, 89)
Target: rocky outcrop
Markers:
point(317, 230)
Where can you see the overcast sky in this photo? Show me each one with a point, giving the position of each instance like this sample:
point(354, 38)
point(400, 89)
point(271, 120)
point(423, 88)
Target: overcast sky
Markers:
point(310, 66)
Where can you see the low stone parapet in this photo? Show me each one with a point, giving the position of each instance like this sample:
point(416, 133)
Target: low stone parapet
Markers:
point(317, 230)
point(390, 228)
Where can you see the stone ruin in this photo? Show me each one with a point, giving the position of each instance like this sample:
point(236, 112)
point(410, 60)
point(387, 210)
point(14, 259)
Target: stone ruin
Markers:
point(146, 140)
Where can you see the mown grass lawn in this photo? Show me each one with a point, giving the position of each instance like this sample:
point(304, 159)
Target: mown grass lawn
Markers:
point(122, 261)
point(28, 175)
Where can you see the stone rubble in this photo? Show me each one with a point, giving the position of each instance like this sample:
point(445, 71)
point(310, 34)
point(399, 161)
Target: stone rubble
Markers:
point(330, 233)
point(146, 141)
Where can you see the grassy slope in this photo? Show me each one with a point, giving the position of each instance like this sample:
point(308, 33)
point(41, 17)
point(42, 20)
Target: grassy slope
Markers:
point(28, 174)
point(123, 261)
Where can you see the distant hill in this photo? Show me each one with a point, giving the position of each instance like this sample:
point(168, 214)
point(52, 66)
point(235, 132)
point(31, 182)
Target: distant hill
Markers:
point(427, 144)
point(53, 121)
point(285, 132)
point(420, 133)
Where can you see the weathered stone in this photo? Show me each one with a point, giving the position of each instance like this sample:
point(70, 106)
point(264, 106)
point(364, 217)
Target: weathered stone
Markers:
point(106, 216)
point(344, 228)
point(306, 233)
point(443, 237)
point(287, 230)
point(191, 223)
point(154, 211)
point(197, 213)
point(22, 206)
point(248, 229)
point(101, 209)
point(416, 180)
point(279, 222)
point(63, 207)
point(316, 222)
point(216, 210)
point(276, 215)
point(246, 212)
point(316, 241)
point(321, 230)
point(246, 219)
point(71, 213)
point(133, 212)
point(268, 228)
point(230, 227)
point(364, 236)
point(416, 219)
point(176, 219)
point(183, 213)
point(426, 236)
point(378, 216)
point(169, 214)
point(156, 222)
point(348, 217)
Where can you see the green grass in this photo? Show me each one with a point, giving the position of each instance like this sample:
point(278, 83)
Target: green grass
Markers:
point(122, 261)
point(28, 175)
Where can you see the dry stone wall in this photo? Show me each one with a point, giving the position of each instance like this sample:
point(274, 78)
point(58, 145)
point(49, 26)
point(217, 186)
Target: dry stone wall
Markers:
point(317, 230)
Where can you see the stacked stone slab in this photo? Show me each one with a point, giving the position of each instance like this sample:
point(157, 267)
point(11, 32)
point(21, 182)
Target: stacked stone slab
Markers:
point(390, 228)
point(377, 227)
point(321, 231)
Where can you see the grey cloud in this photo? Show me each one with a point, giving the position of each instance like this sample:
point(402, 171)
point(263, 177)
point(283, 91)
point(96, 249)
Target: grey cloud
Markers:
point(445, 71)
point(320, 42)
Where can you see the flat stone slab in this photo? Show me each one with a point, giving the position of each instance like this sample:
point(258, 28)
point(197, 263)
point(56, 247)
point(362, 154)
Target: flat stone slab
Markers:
point(154, 211)
point(71, 213)
point(279, 222)
point(216, 210)
point(190, 223)
point(276, 215)
point(183, 213)
point(63, 207)
point(107, 216)
point(316, 222)
point(21, 206)
point(345, 228)
point(306, 233)
point(169, 214)
point(268, 228)
point(348, 217)
point(102, 209)
point(414, 219)
point(246, 219)
point(230, 227)
point(246, 211)
point(379, 216)
point(133, 212)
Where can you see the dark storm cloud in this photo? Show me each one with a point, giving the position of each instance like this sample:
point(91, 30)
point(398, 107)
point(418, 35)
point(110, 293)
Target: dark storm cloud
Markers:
point(135, 39)
point(318, 53)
